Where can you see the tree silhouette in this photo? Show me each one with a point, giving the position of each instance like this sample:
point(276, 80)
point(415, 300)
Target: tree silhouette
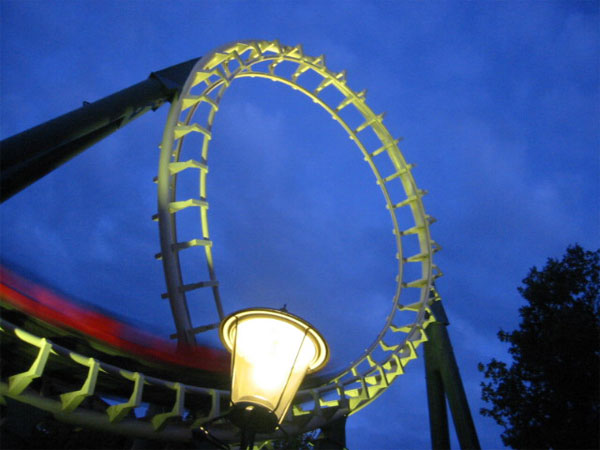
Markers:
point(549, 397)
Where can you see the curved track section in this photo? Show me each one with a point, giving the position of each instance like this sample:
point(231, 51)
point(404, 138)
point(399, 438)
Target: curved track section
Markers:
point(89, 369)
point(86, 391)
point(155, 397)
point(191, 117)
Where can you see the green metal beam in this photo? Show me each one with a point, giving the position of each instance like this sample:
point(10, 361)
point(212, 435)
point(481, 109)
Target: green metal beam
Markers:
point(436, 399)
point(444, 381)
point(333, 435)
point(32, 154)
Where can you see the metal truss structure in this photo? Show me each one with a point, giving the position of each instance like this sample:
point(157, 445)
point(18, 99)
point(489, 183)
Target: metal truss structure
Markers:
point(181, 412)
point(194, 112)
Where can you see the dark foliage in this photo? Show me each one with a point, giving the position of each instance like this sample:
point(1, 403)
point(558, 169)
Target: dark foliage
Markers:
point(549, 396)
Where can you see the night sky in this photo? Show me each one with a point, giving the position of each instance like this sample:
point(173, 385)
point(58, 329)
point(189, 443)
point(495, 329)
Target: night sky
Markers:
point(499, 108)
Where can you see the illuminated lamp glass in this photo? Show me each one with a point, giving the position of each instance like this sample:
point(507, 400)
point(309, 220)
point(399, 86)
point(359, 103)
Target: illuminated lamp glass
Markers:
point(272, 351)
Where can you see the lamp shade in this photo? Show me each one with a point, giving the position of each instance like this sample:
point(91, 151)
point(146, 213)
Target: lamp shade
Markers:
point(272, 351)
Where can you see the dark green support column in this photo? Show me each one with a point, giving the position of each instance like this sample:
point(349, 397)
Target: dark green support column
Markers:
point(333, 435)
point(31, 154)
point(436, 399)
point(444, 381)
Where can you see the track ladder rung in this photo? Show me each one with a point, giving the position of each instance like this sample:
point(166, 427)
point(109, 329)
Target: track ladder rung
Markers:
point(350, 99)
point(295, 52)
point(399, 173)
point(194, 286)
point(418, 257)
point(402, 328)
point(421, 282)
point(201, 284)
point(240, 61)
point(187, 244)
point(319, 60)
point(117, 412)
point(386, 147)
point(159, 421)
point(322, 85)
point(179, 205)
point(378, 118)
point(181, 130)
point(195, 99)
point(198, 330)
point(192, 243)
point(411, 199)
point(412, 230)
point(415, 307)
point(203, 75)
point(299, 71)
point(176, 167)
point(71, 400)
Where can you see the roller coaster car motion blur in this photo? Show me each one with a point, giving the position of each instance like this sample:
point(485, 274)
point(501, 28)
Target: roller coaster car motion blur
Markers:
point(90, 331)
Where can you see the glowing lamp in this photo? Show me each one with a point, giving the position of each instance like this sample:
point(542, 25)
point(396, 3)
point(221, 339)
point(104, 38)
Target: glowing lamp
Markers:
point(272, 351)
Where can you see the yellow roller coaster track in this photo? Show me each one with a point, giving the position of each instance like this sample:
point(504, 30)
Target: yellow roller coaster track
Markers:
point(372, 372)
point(188, 409)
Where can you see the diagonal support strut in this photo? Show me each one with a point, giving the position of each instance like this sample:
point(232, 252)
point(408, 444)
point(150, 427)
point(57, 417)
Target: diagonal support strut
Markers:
point(444, 382)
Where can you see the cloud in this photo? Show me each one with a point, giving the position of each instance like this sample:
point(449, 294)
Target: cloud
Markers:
point(499, 108)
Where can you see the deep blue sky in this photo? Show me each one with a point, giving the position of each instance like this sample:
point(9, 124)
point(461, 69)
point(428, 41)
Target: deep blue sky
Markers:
point(499, 107)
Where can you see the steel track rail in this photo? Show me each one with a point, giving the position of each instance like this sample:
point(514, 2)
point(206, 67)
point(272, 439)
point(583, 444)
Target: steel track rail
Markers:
point(367, 377)
point(59, 380)
point(195, 408)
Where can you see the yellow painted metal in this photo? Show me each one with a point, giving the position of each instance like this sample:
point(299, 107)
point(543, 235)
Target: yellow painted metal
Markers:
point(370, 374)
point(117, 419)
point(178, 206)
point(18, 383)
point(117, 412)
point(160, 420)
point(72, 400)
point(215, 410)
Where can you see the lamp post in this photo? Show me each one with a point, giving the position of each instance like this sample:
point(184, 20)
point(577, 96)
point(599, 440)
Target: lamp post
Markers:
point(272, 351)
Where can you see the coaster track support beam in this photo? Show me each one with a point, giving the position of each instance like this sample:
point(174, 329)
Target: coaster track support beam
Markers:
point(444, 382)
point(28, 156)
